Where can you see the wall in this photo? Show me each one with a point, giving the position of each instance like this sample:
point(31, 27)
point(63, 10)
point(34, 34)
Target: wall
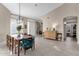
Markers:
point(58, 14)
point(4, 22)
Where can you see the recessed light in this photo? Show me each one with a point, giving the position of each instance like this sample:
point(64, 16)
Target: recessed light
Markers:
point(36, 4)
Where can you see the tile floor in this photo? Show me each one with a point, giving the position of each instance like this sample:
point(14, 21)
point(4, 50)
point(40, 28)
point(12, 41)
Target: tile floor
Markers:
point(46, 47)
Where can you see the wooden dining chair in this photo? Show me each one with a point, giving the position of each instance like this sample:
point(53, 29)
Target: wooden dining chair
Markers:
point(7, 41)
point(10, 42)
point(15, 45)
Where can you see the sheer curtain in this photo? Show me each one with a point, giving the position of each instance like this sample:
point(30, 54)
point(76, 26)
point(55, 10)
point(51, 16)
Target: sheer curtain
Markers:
point(13, 25)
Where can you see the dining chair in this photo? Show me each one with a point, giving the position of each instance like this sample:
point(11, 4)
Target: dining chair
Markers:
point(7, 41)
point(27, 43)
point(15, 45)
point(10, 43)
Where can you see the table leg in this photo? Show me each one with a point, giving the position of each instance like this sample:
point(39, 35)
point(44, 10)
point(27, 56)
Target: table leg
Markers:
point(15, 49)
point(12, 46)
point(33, 47)
point(18, 48)
point(12, 49)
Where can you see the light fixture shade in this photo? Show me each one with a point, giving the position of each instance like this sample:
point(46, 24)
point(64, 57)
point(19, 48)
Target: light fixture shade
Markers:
point(65, 23)
point(54, 26)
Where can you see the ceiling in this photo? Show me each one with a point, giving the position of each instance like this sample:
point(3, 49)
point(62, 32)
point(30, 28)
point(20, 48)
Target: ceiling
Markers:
point(31, 10)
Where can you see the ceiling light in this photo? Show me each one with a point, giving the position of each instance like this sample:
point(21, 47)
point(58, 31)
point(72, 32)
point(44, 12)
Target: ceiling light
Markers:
point(36, 4)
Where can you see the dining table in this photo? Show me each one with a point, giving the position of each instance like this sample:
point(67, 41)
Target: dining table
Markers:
point(18, 39)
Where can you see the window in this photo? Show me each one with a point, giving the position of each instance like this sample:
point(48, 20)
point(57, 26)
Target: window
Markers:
point(13, 25)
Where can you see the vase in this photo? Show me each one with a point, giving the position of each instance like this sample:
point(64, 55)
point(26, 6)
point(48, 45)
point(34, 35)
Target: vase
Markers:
point(19, 34)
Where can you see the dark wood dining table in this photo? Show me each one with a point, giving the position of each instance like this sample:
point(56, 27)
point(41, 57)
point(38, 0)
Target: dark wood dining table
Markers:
point(18, 39)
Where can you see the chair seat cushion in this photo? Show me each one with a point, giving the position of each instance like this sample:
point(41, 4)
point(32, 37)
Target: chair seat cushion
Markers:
point(26, 43)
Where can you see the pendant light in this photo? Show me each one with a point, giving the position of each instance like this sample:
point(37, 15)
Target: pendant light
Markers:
point(19, 14)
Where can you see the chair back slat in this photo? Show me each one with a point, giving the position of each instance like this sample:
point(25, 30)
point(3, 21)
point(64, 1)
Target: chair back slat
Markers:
point(10, 42)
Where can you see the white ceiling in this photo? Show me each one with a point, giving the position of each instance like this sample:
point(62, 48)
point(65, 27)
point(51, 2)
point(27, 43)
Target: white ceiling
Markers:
point(30, 10)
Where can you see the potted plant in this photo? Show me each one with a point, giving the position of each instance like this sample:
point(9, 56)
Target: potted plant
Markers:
point(19, 29)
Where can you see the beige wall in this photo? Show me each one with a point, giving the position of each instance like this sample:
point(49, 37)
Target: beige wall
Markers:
point(58, 14)
point(4, 22)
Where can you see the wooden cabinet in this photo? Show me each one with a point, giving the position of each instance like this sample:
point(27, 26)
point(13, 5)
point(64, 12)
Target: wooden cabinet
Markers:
point(50, 34)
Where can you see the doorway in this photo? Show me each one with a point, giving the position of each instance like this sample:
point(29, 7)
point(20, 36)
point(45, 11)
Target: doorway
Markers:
point(70, 27)
point(39, 28)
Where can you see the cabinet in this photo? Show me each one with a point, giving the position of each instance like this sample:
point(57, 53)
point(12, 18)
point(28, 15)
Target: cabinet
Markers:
point(50, 34)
